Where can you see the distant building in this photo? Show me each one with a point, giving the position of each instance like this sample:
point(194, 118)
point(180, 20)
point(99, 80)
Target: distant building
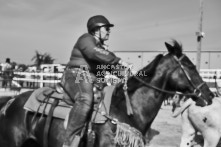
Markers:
point(209, 59)
point(52, 68)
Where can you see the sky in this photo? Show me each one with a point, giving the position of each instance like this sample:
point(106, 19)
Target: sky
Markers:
point(53, 26)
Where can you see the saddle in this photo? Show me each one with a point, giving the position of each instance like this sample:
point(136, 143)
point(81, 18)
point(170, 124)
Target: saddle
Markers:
point(41, 101)
point(50, 102)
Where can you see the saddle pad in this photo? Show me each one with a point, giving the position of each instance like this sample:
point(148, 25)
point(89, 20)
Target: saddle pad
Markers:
point(34, 105)
point(105, 106)
point(61, 112)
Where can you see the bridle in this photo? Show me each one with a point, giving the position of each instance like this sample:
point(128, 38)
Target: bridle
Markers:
point(196, 92)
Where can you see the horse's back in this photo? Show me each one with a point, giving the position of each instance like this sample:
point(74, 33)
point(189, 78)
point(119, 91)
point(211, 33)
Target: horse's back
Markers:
point(13, 120)
point(4, 100)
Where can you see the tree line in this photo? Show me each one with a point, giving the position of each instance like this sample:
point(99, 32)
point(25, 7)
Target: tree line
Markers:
point(38, 59)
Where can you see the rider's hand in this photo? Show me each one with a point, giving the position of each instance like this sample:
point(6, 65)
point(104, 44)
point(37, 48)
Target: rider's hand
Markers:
point(125, 64)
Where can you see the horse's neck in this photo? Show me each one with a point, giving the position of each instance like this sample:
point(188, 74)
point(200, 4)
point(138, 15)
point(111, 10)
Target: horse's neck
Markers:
point(145, 102)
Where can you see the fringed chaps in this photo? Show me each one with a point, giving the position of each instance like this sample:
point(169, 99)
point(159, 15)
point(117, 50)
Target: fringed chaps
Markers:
point(127, 136)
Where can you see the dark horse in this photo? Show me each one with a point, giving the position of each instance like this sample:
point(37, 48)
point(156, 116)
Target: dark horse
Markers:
point(147, 90)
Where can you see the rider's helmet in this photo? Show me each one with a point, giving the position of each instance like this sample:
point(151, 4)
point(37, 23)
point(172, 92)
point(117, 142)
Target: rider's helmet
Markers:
point(97, 21)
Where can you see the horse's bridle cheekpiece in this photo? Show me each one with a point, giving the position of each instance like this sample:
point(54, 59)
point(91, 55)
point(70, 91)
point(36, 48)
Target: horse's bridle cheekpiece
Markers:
point(197, 90)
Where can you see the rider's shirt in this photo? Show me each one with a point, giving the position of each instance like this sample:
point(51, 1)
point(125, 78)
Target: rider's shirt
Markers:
point(90, 52)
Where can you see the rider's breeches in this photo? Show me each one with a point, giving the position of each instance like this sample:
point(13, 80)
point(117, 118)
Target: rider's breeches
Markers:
point(81, 92)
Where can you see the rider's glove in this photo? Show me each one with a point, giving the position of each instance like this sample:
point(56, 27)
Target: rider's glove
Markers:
point(125, 64)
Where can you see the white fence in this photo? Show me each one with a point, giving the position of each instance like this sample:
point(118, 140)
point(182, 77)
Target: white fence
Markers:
point(208, 75)
point(37, 77)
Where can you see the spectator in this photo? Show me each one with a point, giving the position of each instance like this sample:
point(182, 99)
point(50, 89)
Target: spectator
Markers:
point(7, 73)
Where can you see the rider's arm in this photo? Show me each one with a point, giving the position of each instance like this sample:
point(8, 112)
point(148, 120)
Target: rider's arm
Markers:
point(91, 51)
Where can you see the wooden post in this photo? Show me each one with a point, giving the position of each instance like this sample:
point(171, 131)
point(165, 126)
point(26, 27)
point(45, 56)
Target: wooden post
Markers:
point(199, 35)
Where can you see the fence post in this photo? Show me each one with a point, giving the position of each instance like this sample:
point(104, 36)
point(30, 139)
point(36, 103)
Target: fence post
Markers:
point(41, 79)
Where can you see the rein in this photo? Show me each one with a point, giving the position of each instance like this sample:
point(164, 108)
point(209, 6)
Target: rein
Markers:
point(164, 91)
point(125, 87)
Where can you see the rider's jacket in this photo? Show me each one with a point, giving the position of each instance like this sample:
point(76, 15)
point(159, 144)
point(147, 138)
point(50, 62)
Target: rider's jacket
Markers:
point(90, 52)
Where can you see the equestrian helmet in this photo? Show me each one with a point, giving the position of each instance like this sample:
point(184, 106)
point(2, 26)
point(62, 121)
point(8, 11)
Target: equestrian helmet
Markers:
point(96, 22)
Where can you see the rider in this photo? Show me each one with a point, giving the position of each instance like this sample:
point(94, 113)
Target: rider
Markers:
point(88, 53)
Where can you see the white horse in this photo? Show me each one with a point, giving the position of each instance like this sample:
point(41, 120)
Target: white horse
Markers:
point(206, 120)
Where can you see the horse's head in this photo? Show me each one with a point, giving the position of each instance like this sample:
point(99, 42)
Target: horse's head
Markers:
point(182, 75)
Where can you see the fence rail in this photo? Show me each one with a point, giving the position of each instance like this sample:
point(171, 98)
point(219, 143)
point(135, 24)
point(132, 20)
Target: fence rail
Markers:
point(31, 79)
point(45, 79)
point(38, 77)
point(210, 75)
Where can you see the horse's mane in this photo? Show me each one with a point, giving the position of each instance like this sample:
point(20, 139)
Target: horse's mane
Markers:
point(145, 74)
point(150, 68)
point(132, 83)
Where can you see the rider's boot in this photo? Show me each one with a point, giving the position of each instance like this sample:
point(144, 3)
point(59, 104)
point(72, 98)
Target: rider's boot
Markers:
point(77, 118)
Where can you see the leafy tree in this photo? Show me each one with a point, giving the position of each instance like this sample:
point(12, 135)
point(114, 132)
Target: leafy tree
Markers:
point(47, 59)
point(37, 59)
point(42, 59)
point(22, 67)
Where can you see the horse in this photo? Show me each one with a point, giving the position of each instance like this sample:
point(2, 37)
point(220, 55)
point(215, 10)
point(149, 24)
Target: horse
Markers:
point(205, 120)
point(146, 91)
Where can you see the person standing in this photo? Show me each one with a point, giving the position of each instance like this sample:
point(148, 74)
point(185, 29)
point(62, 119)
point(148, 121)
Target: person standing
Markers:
point(7, 73)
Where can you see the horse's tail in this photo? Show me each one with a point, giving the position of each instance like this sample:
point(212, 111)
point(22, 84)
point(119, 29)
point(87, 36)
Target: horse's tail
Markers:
point(183, 107)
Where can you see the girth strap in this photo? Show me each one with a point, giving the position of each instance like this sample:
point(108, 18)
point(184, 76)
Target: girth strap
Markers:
point(48, 122)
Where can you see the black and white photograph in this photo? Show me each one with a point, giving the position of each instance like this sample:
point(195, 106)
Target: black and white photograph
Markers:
point(110, 73)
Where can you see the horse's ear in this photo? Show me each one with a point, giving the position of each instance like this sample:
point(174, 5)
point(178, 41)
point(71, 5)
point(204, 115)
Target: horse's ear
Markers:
point(170, 48)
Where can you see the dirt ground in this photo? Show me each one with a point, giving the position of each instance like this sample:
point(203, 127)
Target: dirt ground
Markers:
point(165, 130)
